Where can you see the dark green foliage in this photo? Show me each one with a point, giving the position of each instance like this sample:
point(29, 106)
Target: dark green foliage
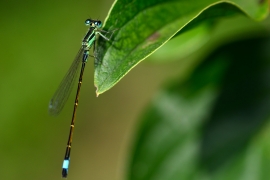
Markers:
point(213, 125)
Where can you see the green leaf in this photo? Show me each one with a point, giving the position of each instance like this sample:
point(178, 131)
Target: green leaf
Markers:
point(214, 125)
point(199, 41)
point(144, 26)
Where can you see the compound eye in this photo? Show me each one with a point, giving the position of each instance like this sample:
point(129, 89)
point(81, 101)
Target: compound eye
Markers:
point(99, 24)
point(87, 22)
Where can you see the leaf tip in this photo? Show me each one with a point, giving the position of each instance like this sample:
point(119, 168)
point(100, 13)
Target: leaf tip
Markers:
point(97, 93)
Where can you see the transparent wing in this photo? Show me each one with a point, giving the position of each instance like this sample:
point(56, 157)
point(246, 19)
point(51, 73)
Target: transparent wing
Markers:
point(62, 93)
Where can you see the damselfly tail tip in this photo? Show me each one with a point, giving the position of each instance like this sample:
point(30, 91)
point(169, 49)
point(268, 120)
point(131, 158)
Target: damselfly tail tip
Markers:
point(64, 173)
point(65, 168)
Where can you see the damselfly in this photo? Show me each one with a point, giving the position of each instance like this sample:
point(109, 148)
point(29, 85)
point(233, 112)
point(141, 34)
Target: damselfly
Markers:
point(61, 95)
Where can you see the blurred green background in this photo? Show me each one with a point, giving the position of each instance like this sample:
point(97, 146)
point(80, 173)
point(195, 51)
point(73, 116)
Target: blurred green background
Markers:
point(39, 40)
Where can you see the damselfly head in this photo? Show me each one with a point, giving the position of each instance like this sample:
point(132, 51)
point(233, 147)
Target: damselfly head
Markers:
point(93, 23)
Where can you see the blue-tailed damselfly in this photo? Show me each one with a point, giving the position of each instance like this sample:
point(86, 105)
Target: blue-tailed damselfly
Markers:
point(61, 95)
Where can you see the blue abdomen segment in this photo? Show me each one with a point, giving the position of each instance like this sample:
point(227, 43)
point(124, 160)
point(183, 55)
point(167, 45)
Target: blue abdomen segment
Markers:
point(65, 168)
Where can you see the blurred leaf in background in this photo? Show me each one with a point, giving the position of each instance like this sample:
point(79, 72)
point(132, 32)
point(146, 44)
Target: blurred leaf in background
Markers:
point(215, 124)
